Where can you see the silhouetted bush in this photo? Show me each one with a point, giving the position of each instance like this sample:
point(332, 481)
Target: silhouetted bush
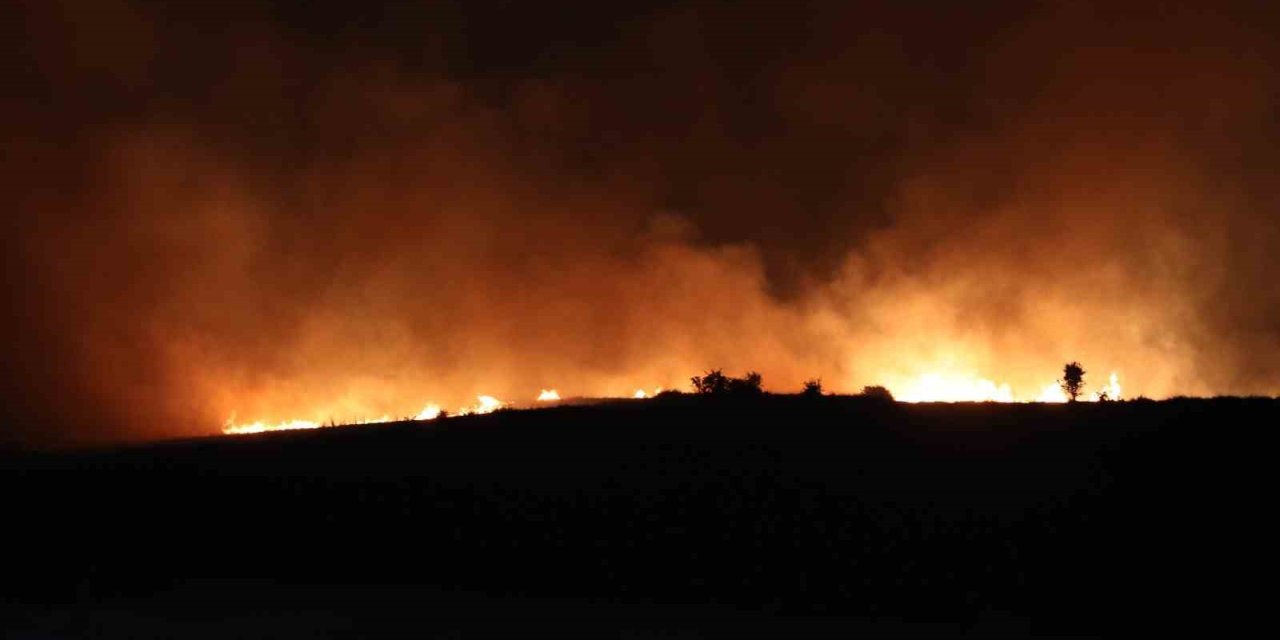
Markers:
point(748, 385)
point(812, 388)
point(714, 382)
point(877, 392)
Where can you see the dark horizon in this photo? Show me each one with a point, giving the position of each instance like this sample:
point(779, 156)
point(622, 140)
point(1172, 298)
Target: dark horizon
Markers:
point(688, 516)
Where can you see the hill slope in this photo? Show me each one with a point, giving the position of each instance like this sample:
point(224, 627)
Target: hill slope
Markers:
point(784, 511)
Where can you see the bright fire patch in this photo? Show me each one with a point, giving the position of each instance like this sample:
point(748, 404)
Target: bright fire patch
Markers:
point(484, 404)
point(928, 387)
point(429, 412)
point(939, 387)
point(230, 427)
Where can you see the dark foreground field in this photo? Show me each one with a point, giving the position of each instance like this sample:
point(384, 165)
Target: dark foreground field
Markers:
point(680, 517)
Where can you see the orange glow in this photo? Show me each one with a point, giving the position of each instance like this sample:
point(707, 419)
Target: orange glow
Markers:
point(231, 428)
point(955, 385)
point(1111, 389)
point(1052, 392)
point(942, 387)
point(429, 412)
point(483, 405)
point(965, 387)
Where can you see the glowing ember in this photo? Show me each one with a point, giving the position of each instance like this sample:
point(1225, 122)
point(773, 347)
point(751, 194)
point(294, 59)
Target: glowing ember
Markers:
point(548, 395)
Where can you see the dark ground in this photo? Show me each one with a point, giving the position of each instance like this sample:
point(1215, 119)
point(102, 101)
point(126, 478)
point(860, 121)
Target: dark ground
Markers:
point(680, 517)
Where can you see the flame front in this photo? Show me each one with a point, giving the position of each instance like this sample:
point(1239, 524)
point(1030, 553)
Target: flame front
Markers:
point(936, 386)
point(953, 387)
point(939, 387)
point(432, 411)
point(429, 412)
point(230, 427)
point(484, 404)
point(1111, 390)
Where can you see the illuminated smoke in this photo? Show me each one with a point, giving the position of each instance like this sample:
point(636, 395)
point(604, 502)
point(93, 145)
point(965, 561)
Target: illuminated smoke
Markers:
point(282, 220)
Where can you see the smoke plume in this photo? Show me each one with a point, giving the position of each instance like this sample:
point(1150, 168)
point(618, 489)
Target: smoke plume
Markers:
point(333, 212)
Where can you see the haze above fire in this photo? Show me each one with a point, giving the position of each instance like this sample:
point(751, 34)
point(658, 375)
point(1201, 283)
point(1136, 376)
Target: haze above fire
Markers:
point(342, 211)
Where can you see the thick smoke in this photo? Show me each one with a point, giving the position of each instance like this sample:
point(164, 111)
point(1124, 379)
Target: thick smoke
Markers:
point(310, 214)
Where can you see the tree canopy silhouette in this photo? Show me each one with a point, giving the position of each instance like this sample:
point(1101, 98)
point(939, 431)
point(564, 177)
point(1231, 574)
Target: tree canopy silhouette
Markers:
point(1072, 381)
point(812, 388)
point(877, 392)
point(714, 382)
point(711, 383)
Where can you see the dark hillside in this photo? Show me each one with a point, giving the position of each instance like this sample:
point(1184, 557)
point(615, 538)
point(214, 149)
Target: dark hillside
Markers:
point(778, 515)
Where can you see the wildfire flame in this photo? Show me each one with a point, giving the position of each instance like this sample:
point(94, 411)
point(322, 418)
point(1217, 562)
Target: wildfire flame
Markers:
point(429, 412)
point(952, 387)
point(1052, 392)
point(940, 387)
point(927, 387)
point(230, 427)
point(484, 404)
point(1111, 390)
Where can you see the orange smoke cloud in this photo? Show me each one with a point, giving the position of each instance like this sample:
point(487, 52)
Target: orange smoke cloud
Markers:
point(284, 233)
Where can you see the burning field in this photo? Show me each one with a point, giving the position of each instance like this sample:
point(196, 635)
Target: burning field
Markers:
point(888, 318)
point(294, 217)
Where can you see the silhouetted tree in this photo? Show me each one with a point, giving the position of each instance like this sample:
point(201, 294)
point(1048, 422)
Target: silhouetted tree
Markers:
point(812, 388)
point(878, 392)
point(714, 382)
point(711, 383)
point(748, 385)
point(1072, 381)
